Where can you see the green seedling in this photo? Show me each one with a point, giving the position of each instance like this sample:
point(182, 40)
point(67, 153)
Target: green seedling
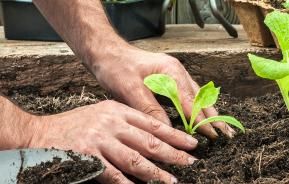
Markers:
point(278, 23)
point(206, 97)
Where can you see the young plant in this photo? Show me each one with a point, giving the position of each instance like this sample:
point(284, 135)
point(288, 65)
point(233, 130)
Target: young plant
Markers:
point(286, 4)
point(278, 23)
point(207, 96)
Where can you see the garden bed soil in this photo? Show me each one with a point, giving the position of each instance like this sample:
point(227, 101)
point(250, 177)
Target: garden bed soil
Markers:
point(60, 172)
point(275, 3)
point(261, 155)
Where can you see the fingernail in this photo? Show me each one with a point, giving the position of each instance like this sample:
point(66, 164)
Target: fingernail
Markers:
point(191, 160)
point(230, 131)
point(174, 180)
point(167, 121)
point(191, 141)
point(214, 132)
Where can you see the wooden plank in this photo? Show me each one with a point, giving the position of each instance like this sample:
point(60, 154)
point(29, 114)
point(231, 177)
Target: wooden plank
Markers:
point(209, 54)
point(178, 38)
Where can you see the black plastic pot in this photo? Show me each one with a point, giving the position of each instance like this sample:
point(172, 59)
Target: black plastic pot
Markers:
point(133, 19)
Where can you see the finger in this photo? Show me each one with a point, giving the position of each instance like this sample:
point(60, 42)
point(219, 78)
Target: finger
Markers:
point(133, 163)
point(225, 128)
point(152, 147)
point(143, 100)
point(111, 175)
point(172, 136)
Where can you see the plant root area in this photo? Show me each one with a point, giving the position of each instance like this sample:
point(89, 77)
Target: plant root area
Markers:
point(260, 156)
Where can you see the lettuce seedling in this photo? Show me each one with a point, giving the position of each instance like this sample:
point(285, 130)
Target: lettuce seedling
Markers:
point(206, 97)
point(278, 23)
point(286, 4)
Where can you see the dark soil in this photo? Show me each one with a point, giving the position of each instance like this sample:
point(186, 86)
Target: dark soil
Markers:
point(59, 172)
point(276, 3)
point(259, 156)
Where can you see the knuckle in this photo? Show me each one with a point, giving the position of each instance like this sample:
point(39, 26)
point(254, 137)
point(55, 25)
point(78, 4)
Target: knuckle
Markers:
point(177, 65)
point(109, 102)
point(135, 159)
point(106, 119)
point(188, 96)
point(151, 109)
point(174, 61)
point(116, 177)
point(133, 84)
point(155, 125)
point(154, 144)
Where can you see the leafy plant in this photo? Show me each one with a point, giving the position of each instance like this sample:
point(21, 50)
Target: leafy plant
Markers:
point(207, 96)
point(278, 23)
point(286, 4)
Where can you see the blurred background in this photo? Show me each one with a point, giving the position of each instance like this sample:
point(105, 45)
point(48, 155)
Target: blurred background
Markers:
point(182, 13)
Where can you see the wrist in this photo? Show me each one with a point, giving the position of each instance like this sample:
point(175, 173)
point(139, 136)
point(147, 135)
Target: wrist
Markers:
point(112, 51)
point(16, 126)
point(38, 128)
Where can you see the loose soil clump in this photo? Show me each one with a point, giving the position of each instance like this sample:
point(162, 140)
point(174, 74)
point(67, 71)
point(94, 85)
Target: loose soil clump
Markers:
point(59, 172)
point(276, 3)
point(261, 155)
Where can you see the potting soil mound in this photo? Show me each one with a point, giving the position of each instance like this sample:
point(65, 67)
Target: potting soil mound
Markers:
point(261, 155)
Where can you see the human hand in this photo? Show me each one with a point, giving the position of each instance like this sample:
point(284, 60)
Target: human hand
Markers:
point(122, 74)
point(120, 136)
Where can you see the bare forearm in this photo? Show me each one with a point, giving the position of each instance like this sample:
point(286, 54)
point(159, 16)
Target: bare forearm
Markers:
point(85, 28)
point(15, 126)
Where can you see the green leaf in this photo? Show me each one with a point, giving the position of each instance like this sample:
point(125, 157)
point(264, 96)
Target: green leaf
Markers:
point(206, 97)
point(278, 22)
point(166, 86)
point(286, 4)
point(227, 119)
point(269, 69)
point(284, 88)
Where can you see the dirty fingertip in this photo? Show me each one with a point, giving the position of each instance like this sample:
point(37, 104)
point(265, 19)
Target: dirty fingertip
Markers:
point(191, 160)
point(225, 128)
point(174, 180)
point(214, 134)
point(230, 131)
point(192, 142)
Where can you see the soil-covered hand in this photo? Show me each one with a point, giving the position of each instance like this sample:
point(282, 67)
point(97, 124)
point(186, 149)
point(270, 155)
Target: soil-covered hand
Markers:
point(122, 137)
point(123, 75)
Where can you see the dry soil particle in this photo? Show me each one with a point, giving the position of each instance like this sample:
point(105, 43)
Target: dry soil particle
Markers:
point(59, 172)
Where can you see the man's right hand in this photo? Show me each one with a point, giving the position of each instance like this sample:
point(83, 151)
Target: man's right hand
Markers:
point(123, 138)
